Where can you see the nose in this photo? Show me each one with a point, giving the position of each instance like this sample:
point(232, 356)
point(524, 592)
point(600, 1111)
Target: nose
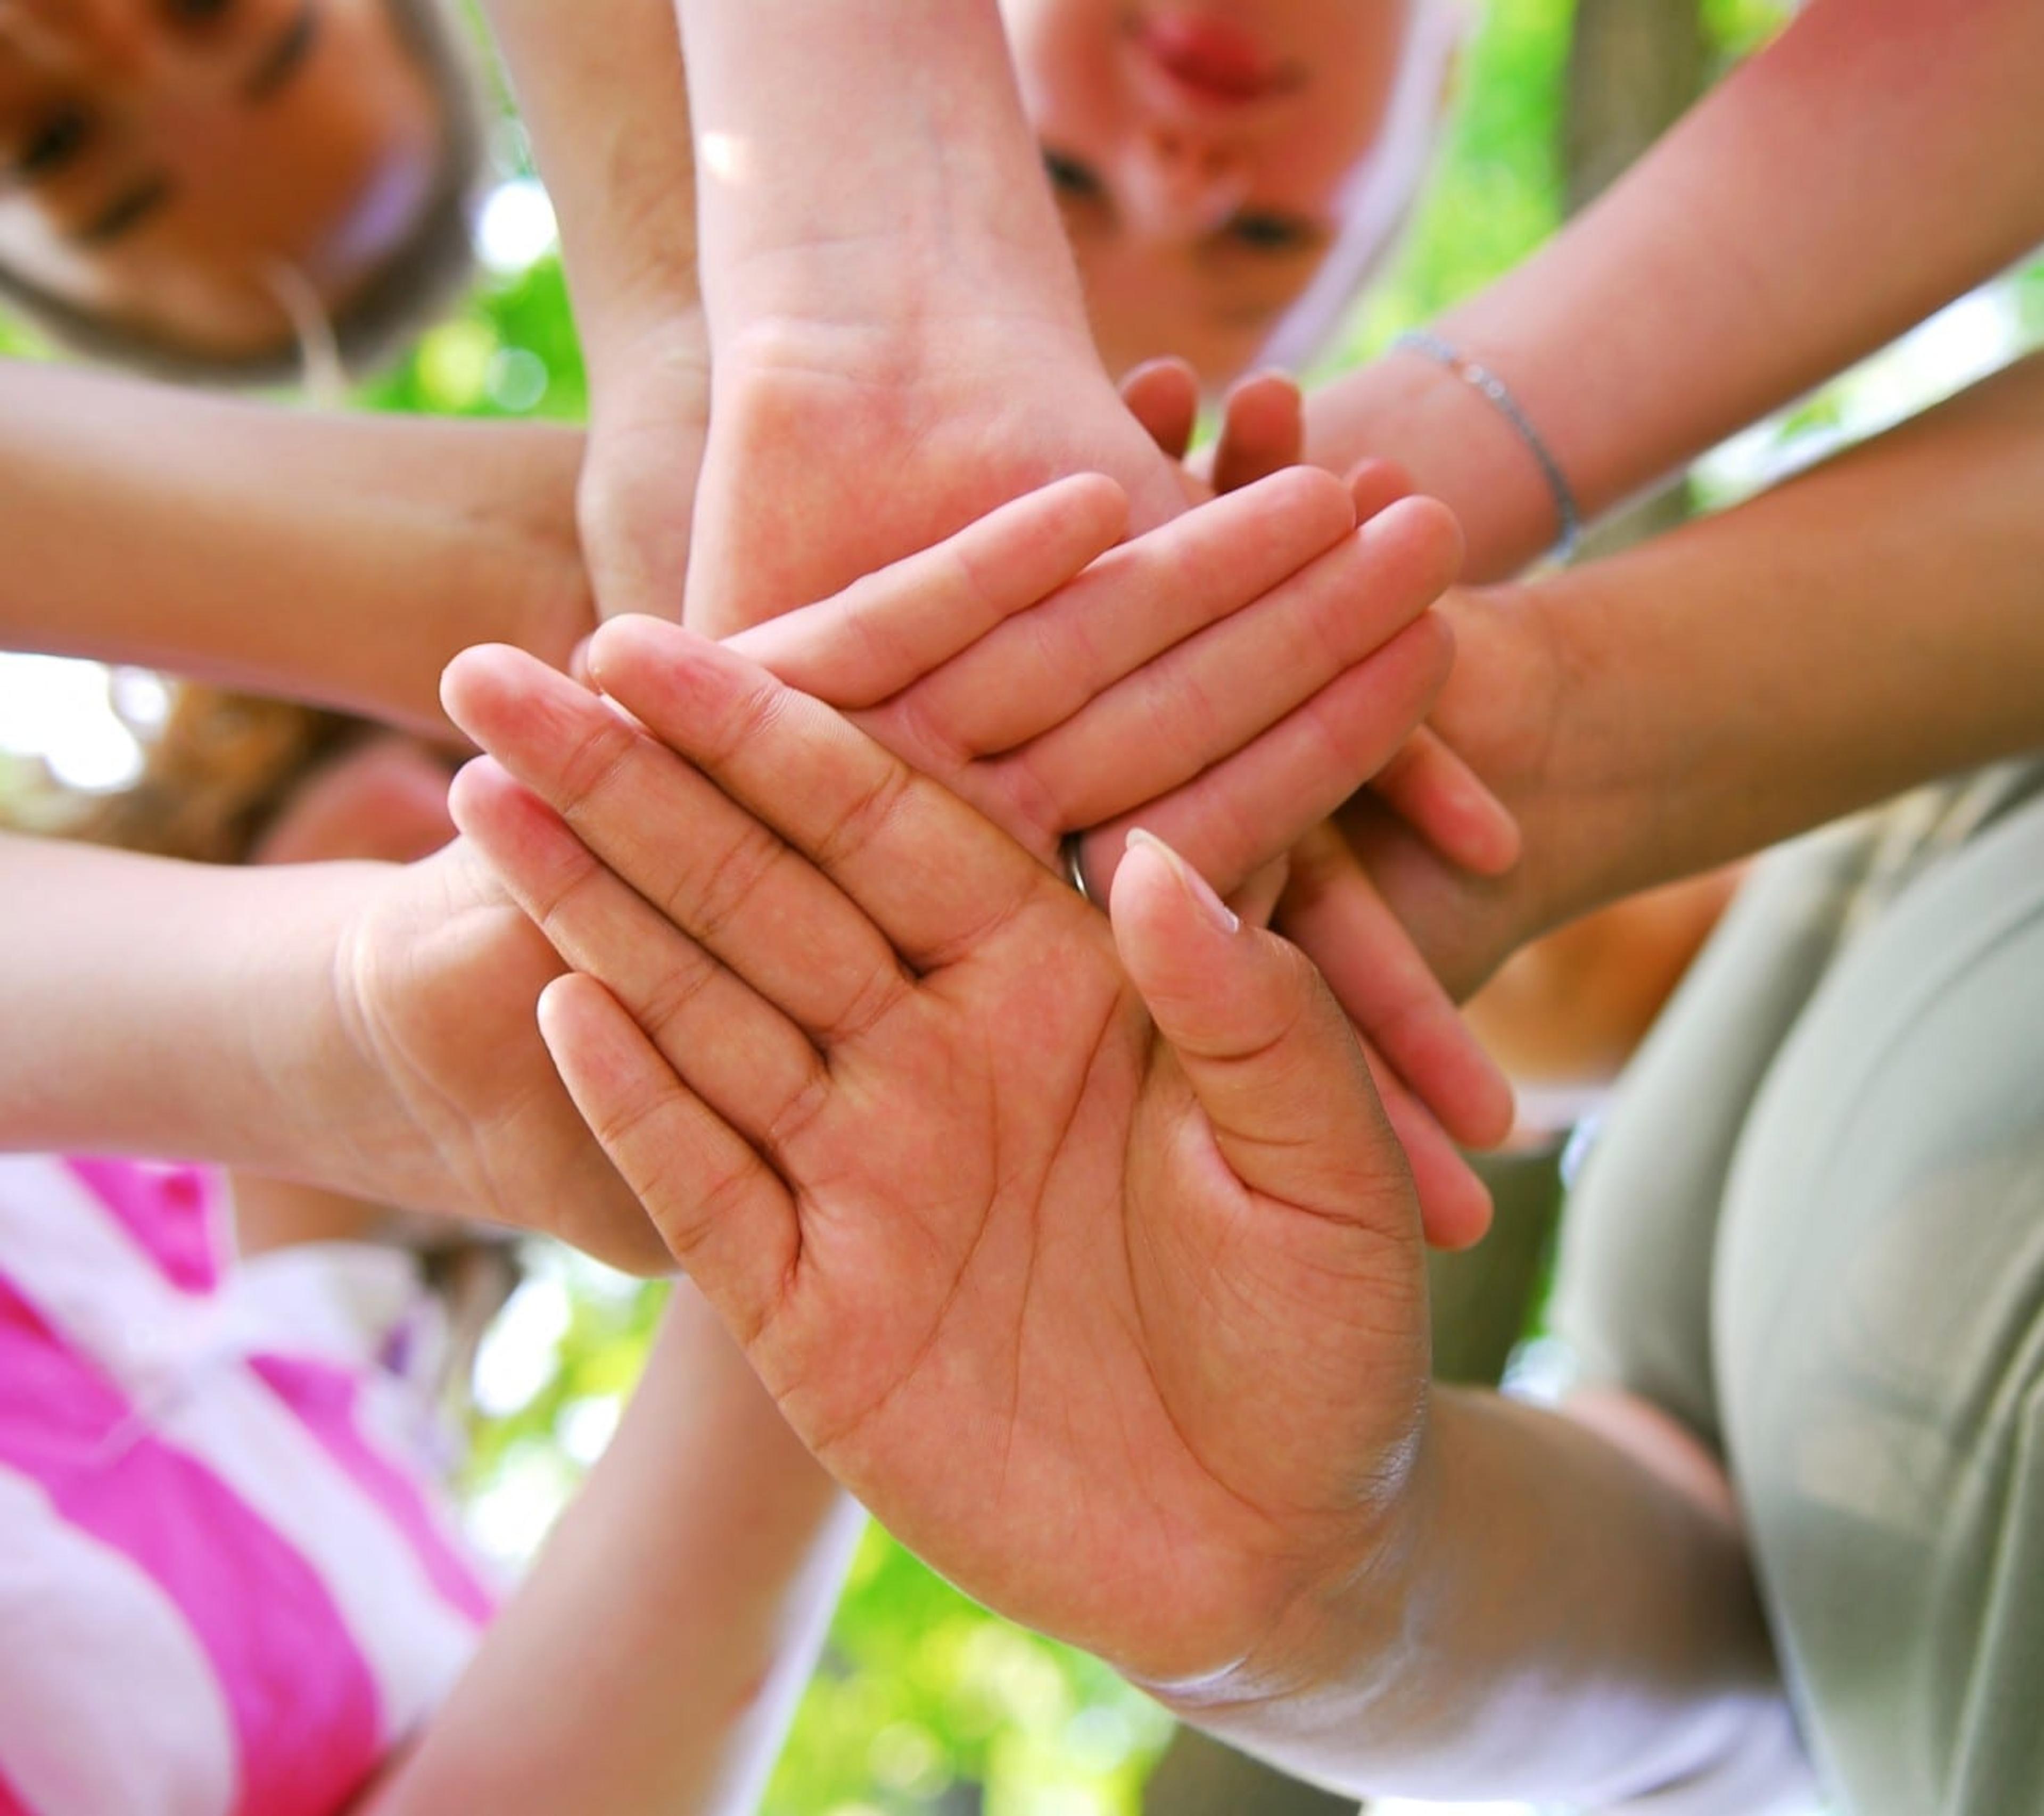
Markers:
point(1177, 184)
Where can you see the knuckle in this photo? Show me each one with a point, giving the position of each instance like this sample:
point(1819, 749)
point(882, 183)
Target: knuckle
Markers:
point(667, 1005)
point(866, 817)
point(601, 751)
point(706, 903)
point(784, 1132)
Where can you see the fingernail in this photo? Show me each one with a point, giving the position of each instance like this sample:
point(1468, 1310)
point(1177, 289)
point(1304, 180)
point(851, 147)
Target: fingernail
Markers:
point(1194, 885)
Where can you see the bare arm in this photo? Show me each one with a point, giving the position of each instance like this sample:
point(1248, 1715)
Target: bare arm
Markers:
point(889, 293)
point(607, 104)
point(340, 559)
point(1562, 1617)
point(201, 969)
point(1871, 626)
point(1801, 216)
point(649, 1663)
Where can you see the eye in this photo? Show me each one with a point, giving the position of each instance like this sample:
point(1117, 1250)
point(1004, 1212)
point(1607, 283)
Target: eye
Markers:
point(56, 141)
point(1069, 177)
point(1269, 232)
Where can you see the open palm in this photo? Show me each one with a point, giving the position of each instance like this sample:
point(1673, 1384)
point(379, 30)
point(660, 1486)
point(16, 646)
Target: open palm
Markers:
point(1124, 1332)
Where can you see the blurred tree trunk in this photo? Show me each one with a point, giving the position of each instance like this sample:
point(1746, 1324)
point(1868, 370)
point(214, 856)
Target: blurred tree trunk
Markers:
point(1634, 66)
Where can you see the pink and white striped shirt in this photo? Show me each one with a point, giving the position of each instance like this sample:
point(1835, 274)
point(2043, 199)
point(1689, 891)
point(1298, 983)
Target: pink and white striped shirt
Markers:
point(225, 1587)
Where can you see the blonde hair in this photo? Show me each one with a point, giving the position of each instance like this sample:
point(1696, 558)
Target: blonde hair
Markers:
point(214, 774)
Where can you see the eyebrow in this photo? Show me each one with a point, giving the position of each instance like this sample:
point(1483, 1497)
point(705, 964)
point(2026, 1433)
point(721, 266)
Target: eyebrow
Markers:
point(285, 57)
point(125, 213)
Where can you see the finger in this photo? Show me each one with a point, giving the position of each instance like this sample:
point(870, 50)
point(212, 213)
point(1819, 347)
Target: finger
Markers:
point(888, 631)
point(1374, 484)
point(1216, 692)
point(1133, 603)
point(751, 1064)
point(1164, 395)
point(724, 1214)
point(1438, 795)
point(1455, 1203)
point(1255, 902)
point(707, 867)
point(925, 870)
point(1263, 429)
point(1335, 913)
point(1249, 810)
point(1274, 1062)
point(1266, 1048)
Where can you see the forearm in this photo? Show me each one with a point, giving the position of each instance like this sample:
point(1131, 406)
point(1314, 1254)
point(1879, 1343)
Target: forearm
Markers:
point(649, 1661)
point(339, 560)
point(1705, 288)
point(1560, 1621)
point(912, 185)
point(1871, 626)
point(606, 102)
point(155, 1008)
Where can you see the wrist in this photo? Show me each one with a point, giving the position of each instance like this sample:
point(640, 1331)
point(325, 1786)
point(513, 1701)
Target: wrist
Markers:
point(1626, 795)
point(657, 314)
point(1346, 1639)
point(315, 1078)
point(1453, 443)
point(524, 571)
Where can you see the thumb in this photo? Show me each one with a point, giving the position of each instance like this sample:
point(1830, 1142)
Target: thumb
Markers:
point(1268, 1052)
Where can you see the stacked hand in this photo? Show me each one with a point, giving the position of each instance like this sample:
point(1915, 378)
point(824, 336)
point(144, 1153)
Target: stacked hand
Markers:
point(1086, 1258)
point(1056, 685)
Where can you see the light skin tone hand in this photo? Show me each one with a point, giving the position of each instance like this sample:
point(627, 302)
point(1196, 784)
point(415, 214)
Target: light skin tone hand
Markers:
point(900, 343)
point(1020, 1242)
point(1084, 1255)
point(1272, 661)
point(1262, 430)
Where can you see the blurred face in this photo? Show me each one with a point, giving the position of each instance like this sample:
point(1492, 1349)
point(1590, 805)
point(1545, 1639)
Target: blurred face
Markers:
point(1199, 149)
point(162, 162)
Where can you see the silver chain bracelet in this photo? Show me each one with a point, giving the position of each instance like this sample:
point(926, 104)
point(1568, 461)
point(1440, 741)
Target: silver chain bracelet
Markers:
point(1479, 376)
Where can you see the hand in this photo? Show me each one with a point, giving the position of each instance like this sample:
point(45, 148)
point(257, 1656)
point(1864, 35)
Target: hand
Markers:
point(1012, 724)
point(1371, 903)
point(1122, 1325)
point(834, 452)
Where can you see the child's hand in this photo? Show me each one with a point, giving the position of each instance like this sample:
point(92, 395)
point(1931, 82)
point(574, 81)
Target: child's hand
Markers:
point(1124, 1330)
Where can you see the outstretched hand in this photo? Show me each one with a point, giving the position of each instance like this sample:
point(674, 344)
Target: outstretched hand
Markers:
point(1120, 1321)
